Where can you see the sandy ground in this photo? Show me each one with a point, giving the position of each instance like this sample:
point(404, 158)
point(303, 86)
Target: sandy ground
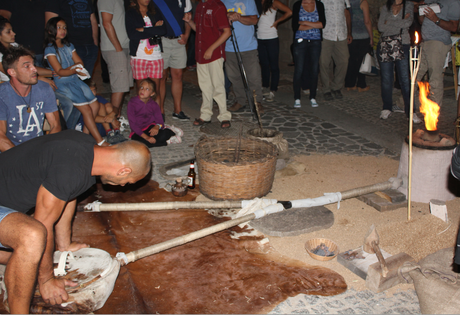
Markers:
point(312, 176)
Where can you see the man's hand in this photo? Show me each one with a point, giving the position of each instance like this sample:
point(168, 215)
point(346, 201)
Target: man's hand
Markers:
point(187, 17)
point(50, 82)
point(208, 53)
point(183, 39)
point(233, 16)
point(430, 15)
point(53, 290)
point(349, 39)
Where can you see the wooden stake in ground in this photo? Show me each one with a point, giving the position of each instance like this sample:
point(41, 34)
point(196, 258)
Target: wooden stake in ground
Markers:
point(414, 58)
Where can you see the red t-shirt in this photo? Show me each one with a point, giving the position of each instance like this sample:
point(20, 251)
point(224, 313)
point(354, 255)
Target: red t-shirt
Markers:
point(210, 20)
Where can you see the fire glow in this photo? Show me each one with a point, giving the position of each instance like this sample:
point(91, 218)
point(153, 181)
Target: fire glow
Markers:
point(428, 108)
point(416, 38)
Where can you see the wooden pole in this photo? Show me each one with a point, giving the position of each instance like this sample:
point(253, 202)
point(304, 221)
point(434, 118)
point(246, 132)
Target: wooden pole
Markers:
point(414, 60)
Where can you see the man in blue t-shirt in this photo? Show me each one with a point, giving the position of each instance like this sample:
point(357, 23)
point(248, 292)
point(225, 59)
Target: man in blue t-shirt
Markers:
point(243, 15)
point(24, 101)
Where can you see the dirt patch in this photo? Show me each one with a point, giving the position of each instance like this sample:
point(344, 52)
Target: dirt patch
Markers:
point(423, 235)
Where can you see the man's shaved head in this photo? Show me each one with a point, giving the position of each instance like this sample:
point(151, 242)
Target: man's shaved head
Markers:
point(134, 155)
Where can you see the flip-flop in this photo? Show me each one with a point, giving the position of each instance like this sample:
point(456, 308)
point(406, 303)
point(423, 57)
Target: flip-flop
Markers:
point(225, 124)
point(200, 122)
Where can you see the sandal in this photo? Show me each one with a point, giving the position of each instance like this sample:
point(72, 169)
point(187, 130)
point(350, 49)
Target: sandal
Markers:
point(200, 122)
point(225, 124)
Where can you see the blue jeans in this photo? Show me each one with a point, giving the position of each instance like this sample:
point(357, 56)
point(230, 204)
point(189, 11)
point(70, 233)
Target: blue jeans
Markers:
point(387, 74)
point(88, 54)
point(4, 211)
point(71, 114)
point(269, 52)
point(306, 59)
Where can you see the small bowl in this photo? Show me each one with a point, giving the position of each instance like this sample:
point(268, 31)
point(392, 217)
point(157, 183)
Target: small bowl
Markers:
point(311, 245)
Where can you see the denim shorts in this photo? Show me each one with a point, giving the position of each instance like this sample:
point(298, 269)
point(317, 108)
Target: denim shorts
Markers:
point(4, 211)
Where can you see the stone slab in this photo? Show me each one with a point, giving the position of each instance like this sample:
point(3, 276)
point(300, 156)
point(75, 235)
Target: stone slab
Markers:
point(398, 200)
point(293, 222)
point(359, 262)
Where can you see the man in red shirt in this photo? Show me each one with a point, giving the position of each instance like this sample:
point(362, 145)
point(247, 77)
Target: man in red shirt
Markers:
point(212, 31)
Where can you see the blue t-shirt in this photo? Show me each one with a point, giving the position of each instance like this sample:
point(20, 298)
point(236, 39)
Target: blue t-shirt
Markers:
point(21, 125)
point(245, 35)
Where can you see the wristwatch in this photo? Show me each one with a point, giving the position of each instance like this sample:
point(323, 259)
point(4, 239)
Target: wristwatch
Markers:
point(437, 22)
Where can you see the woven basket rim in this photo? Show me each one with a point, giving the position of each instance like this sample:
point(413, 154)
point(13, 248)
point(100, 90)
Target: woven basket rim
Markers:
point(272, 154)
point(321, 240)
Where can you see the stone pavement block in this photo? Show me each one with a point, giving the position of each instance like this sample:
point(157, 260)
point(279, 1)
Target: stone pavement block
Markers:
point(382, 204)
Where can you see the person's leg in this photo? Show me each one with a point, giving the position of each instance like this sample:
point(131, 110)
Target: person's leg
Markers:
point(262, 48)
point(163, 136)
point(177, 63)
point(67, 107)
point(162, 89)
point(299, 54)
point(352, 73)
point(325, 65)
point(89, 112)
point(403, 74)
point(340, 56)
point(387, 75)
point(235, 77)
point(121, 78)
point(218, 88)
point(176, 89)
point(252, 67)
point(27, 237)
point(363, 49)
point(436, 52)
point(273, 49)
point(205, 82)
point(313, 53)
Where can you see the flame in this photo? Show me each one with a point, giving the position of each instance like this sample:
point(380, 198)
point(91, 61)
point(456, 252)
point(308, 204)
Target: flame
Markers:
point(428, 108)
point(416, 38)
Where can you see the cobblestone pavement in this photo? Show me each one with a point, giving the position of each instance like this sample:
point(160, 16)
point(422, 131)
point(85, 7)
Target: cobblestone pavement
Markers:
point(348, 126)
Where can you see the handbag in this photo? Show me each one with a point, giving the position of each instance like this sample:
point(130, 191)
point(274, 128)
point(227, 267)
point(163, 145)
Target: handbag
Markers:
point(369, 65)
point(391, 47)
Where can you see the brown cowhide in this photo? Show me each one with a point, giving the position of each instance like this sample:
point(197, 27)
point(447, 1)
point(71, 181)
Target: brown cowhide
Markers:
point(215, 274)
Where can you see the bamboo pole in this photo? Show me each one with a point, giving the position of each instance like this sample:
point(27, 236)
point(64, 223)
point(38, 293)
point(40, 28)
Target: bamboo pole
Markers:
point(414, 67)
point(172, 205)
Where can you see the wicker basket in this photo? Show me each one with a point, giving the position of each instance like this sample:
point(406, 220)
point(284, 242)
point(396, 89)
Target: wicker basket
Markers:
point(235, 168)
point(311, 245)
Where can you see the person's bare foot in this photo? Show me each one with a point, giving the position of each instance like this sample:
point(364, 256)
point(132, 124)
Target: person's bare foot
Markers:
point(74, 246)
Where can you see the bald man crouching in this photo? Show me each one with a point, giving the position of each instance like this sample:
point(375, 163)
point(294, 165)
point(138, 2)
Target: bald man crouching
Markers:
point(48, 173)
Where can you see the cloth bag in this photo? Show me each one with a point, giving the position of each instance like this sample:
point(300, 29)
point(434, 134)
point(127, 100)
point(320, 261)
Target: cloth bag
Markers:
point(369, 65)
point(437, 286)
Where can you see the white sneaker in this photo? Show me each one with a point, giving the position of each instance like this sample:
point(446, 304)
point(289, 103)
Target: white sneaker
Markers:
point(314, 103)
point(384, 114)
point(270, 97)
point(416, 120)
point(265, 91)
point(174, 139)
point(297, 104)
point(179, 132)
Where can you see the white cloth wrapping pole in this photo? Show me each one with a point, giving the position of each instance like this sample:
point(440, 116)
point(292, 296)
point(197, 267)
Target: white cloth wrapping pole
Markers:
point(319, 201)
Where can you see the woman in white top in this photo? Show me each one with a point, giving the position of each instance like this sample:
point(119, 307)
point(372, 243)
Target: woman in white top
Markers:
point(269, 46)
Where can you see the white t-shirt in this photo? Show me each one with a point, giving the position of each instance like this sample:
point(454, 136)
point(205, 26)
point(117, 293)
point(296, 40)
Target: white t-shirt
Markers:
point(146, 51)
point(3, 76)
